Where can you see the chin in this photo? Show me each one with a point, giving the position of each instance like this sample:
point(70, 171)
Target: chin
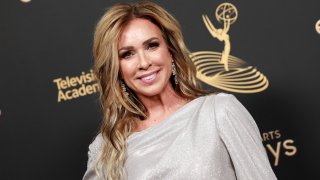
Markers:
point(153, 90)
point(149, 93)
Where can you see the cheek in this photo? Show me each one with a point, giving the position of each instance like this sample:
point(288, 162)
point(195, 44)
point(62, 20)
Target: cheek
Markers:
point(161, 56)
point(126, 69)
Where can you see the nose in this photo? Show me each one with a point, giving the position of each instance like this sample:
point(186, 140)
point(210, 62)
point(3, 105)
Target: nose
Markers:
point(144, 61)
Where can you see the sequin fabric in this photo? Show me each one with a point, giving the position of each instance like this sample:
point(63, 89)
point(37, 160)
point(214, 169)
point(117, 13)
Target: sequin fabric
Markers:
point(212, 137)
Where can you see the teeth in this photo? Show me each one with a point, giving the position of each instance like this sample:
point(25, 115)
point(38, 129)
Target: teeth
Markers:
point(149, 77)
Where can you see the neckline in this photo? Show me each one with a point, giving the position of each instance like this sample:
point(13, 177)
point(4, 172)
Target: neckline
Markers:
point(134, 134)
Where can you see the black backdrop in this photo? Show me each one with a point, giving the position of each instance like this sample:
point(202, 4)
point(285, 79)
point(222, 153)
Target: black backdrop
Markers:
point(42, 41)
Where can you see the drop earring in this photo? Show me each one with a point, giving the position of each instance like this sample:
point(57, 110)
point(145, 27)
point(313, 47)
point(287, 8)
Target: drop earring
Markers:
point(124, 89)
point(174, 72)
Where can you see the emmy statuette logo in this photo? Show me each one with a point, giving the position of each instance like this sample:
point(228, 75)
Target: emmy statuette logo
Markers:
point(317, 26)
point(222, 70)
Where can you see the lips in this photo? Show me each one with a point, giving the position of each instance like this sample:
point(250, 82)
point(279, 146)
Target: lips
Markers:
point(148, 74)
point(149, 78)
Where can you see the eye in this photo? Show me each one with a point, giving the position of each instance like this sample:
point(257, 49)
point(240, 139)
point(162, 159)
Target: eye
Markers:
point(153, 45)
point(126, 54)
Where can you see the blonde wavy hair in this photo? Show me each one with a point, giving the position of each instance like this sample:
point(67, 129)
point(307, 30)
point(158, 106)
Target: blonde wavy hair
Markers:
point(121, 111)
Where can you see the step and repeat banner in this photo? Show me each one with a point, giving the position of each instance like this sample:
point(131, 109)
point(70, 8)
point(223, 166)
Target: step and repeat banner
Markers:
point(266, 53)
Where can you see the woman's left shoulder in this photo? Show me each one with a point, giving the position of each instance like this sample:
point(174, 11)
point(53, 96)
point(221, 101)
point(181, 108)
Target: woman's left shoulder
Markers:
point(221, 99)
point(227, 106)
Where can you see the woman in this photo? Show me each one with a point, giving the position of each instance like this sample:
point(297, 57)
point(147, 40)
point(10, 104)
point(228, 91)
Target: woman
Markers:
point(158, 123)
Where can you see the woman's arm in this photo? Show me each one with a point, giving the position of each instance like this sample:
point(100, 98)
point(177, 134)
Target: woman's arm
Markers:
point(241, 136)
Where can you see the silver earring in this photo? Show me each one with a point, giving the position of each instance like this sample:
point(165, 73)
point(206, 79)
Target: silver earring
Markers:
point(174, 72)
point(124, 89)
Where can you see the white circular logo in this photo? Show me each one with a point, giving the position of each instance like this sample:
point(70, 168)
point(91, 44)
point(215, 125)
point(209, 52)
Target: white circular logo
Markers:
point(318, 26)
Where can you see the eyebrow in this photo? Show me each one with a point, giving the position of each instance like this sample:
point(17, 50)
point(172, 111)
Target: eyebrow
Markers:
point(144, 43)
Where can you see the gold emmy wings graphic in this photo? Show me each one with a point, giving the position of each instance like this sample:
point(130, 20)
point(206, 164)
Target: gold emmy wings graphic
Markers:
point(222, 70)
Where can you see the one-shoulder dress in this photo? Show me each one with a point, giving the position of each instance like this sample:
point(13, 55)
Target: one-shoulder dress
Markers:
point(212, 137)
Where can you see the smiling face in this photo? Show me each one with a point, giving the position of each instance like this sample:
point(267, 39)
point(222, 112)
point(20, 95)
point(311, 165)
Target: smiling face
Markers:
point(144, 58)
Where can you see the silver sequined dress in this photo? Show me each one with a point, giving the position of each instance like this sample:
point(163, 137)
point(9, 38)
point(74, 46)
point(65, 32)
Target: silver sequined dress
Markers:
point(212, 137)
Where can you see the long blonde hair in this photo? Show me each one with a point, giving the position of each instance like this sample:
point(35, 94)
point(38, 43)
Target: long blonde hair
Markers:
point(121, 111)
